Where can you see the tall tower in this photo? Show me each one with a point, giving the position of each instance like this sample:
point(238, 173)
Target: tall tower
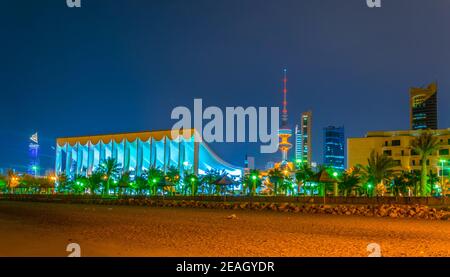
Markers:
point(33, 154)
point(423, 108)
point(284, 133)
point(306, 140)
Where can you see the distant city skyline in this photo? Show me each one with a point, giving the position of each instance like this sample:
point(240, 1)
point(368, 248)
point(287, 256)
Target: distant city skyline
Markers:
point(111, 67)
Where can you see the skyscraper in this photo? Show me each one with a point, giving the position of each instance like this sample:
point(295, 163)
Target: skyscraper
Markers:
point(33, 154)
point(423, 108)
point(334, 147)
point(298, 143)
point(306, 134)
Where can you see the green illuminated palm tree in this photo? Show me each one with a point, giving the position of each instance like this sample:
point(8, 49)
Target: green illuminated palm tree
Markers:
point(251, 182)
point(303, 175)
point(379, 169)
point(191, 182)
point(140, 184)
point(424, 145)
point(349, 180)
point(154, 178)
point(110, 169)
point(94, 181)
point(3, 183)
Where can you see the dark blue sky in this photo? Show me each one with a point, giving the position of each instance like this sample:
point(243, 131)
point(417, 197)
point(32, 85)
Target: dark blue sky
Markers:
point(123, 65)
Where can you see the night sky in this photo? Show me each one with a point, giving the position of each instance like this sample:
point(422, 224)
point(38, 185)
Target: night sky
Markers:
point(123, 65)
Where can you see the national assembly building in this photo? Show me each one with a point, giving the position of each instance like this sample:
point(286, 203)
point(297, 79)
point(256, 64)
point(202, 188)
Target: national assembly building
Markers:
point(137, 152)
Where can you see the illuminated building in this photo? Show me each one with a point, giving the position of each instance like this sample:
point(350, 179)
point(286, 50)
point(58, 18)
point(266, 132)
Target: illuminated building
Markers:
point(306, 137)
point(396, 144)
point(249, 163)
point(136, 152)
point(33, 155)
point(284, 133)
point(333, 147)
point(298, 143)
point(423, 108)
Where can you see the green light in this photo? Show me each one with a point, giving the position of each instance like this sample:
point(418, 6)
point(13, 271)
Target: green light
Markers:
point(154, 181)
point(299, 161)
point(192, 179)
point(442, 161)
point(335, 174)
point(254, 177)
point(78, 183)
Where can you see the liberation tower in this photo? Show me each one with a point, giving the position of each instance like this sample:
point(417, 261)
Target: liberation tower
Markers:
point(284, 133)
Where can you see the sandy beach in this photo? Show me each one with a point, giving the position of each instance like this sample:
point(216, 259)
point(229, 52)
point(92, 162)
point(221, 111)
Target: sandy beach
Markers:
point(37, 229)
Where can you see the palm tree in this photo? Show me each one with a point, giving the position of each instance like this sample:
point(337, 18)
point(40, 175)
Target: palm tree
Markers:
point(424, 145)
point(349, 180)
point(432, 181)
point(110, 168)
point(3, 183)
point(154, 178)
point(379, 169)
point(94, 181)
point(124, 183)
point(140, 184)
point(276, 177)
point(251, 182)
point(191, 181)
point(13, 180)
point(209, 179)
point(173, 177)
point(303, 175)
point(400, 184)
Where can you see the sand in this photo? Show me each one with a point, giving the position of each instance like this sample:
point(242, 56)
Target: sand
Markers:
point(37, 229)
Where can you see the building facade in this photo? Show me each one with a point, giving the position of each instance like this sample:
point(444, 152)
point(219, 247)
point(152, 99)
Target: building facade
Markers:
point(306, 137)
point(423, 108)
point(334, 147)
point(397, 145)
point(298, 143)
point(137, 152)
point(33, 155)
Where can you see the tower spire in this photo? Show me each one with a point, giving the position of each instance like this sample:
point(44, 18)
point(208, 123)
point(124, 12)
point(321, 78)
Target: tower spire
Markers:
point(284, 133)
point(284, 115)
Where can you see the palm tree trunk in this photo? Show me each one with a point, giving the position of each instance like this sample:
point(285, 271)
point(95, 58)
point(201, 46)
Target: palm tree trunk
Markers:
point(423, 178)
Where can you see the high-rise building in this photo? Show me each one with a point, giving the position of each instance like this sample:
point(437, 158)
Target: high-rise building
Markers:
point(334, 147)
point(306, 137)
point(284, 133)
point(249, 163)
point(423, 108)
point(33, 154)
point(298, 143)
